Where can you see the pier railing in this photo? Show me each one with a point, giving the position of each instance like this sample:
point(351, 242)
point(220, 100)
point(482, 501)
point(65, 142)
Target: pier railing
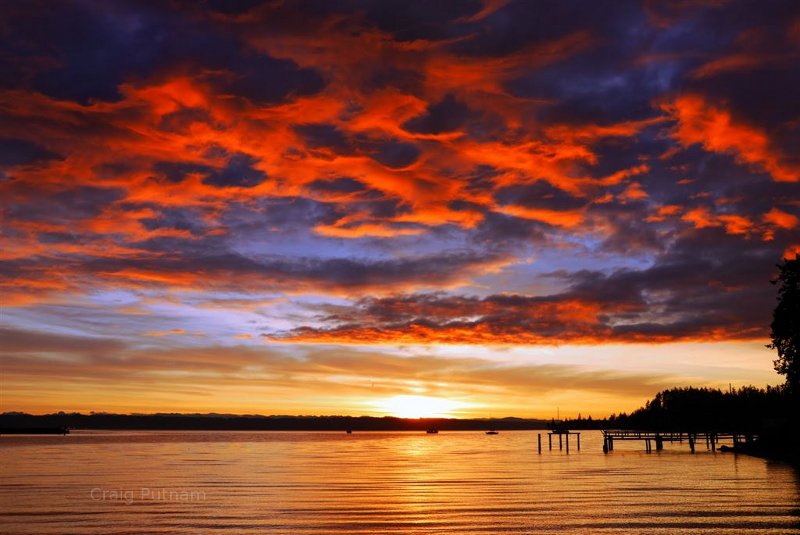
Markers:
point(650, 439)
point(657, 438)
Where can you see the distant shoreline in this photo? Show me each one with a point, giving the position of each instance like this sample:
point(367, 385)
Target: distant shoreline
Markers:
point(215, 422)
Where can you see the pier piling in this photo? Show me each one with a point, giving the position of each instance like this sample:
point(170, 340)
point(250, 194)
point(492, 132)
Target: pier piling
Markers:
point(561, 432)
point(658, 438)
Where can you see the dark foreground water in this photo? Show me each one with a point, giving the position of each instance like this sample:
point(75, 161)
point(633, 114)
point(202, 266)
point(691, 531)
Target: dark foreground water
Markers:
point(460, 482)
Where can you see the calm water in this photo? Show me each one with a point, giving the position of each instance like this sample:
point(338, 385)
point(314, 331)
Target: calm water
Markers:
point(460, 482)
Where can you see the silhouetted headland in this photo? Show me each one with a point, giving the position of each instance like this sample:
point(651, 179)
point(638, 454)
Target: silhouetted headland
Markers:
point(771, 414)
point(34, 430)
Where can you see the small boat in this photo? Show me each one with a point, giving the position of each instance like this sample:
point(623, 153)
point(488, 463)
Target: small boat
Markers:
point(349, 431)
point(492, 432)
point(432, 431)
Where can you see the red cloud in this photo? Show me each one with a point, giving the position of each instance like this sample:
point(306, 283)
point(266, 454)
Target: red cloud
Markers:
point(717, 130)
point(624, 307)
point(781, 219)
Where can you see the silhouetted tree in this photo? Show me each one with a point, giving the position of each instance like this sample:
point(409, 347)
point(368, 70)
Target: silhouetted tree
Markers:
point(786, 323)
point(746, 409)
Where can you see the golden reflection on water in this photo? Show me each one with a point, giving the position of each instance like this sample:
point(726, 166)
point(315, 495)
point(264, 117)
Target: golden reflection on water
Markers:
point(458, 482)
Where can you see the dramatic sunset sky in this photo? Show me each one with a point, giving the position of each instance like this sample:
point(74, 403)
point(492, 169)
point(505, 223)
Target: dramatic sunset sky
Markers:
point(394, 207)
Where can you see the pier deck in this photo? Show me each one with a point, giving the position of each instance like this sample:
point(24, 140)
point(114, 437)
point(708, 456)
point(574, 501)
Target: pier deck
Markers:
point(658, 438)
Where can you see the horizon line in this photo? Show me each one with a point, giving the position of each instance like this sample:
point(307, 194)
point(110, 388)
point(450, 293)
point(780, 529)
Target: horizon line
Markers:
point(233, 415)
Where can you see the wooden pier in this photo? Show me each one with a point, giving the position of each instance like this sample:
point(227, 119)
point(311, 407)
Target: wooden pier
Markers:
point(560, 433)
point(658, 438)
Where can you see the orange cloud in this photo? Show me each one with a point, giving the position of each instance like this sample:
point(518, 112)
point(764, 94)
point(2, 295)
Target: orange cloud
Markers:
point(736, 224)
point(494, 334)
point(446, 73)
point(360, 230)
point(558, 218)
point(164, 333)
point(781, 219)
point(624, 307)
point(524, 322)
point(700, 217)
point(791, 252)
point(718, 131)
point(634, 192)
point(735, 62)
point(663, 212)
point(489, 7)
point(756, 49)
point(588, 133)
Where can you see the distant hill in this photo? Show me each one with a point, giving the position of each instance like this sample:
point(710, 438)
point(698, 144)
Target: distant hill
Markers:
point(223, 422)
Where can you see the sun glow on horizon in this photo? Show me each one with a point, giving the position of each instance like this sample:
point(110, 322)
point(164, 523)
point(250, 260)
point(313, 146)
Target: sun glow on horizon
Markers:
point(408, 406)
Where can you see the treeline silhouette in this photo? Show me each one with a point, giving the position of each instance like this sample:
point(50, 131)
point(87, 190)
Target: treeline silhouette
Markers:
point(226, 422)
point(579, 423)
point(746, 410)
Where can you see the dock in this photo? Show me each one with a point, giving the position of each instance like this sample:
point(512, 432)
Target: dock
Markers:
point(658, 438)
point(652, 440)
